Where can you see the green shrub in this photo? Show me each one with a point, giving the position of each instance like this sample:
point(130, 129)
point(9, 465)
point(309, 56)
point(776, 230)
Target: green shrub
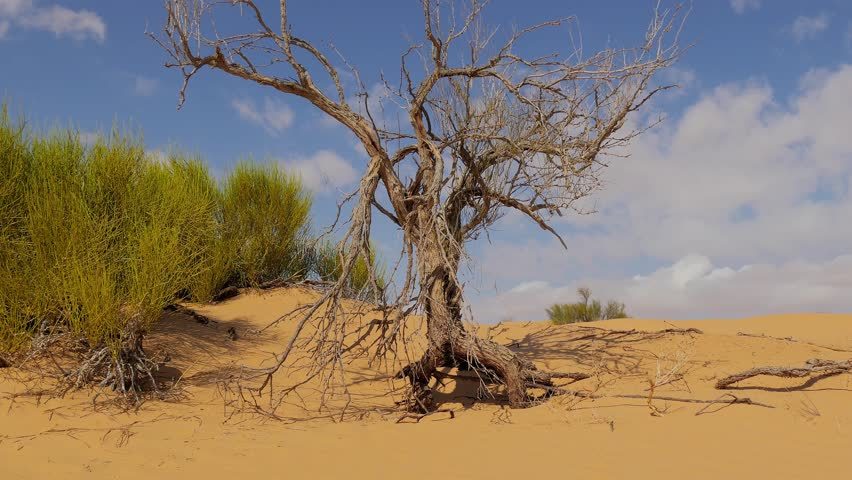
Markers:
point(96, 240)
point(100, 238)
point(264, 215)
point(328, 266)
point(586, 310)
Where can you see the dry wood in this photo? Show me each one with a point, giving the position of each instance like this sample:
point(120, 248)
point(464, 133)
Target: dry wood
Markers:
point(814, 366)
point(4, 363)
point(471, 130)
point(734, 399)
point(633, 331)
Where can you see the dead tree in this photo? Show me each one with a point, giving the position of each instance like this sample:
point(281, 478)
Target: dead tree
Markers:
point(480, 130)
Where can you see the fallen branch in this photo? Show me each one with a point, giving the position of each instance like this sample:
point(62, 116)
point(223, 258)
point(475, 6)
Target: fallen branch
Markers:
point(189, 313)
point(420, 416)
point(734, 399)
point(793, 340)
point(742, 400)
point(814, 366)
point(685, 331)
point(633, 331)
point(226, 293)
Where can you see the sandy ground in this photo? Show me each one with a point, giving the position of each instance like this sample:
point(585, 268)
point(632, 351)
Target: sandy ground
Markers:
point(808, 433)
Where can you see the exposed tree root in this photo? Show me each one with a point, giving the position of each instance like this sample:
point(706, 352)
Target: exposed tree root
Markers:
point(130, 371)
point(814, 366)
point(495, 364)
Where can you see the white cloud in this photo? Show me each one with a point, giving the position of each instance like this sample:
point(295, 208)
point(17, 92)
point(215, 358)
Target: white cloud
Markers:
point(684, 78)
point(741, 6)
point(529, 286)
point(737, 150)
point(274, 116)
point(694, 288)
point(144, 86)
point(11, 8)
point(59, 20)
point(805, 27)
point(742, 176)
point(323, 171)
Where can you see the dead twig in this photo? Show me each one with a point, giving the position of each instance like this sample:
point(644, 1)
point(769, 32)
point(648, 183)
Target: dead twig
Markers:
point(733, 400)
point(793, 340)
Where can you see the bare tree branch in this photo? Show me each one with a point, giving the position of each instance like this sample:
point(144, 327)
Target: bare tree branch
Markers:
point(480, 129)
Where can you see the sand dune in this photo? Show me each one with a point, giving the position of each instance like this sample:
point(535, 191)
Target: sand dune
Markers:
point(806, 434)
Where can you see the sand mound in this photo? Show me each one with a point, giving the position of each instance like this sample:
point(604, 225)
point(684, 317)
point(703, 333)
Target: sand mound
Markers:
point(608, 430)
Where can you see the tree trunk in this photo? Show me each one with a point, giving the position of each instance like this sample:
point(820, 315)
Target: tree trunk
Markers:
point(450, 345)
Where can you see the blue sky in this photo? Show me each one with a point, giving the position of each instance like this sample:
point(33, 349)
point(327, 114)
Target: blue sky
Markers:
point(736, 205)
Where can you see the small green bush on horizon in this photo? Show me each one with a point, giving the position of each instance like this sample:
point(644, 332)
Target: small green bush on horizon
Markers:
point(586, 310)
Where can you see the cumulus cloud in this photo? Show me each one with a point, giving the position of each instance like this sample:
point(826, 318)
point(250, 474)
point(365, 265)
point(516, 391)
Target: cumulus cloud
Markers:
point(11, 8)
point(741, 6)
point(684, 78)
point(144, 86)
point(742, 174)
point(59, 20)
point(693, 287)
point(274, 116)
point(323, 171)
point(742, 177)
point(805, 28)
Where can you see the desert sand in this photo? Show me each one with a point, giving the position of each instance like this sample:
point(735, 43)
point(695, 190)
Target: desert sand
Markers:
point(805, 431)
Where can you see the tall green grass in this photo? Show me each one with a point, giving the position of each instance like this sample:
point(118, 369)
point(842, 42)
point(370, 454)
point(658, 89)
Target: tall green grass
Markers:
point(265, 219)
point(98, 239)
point(95, 240)
point(328, 266)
